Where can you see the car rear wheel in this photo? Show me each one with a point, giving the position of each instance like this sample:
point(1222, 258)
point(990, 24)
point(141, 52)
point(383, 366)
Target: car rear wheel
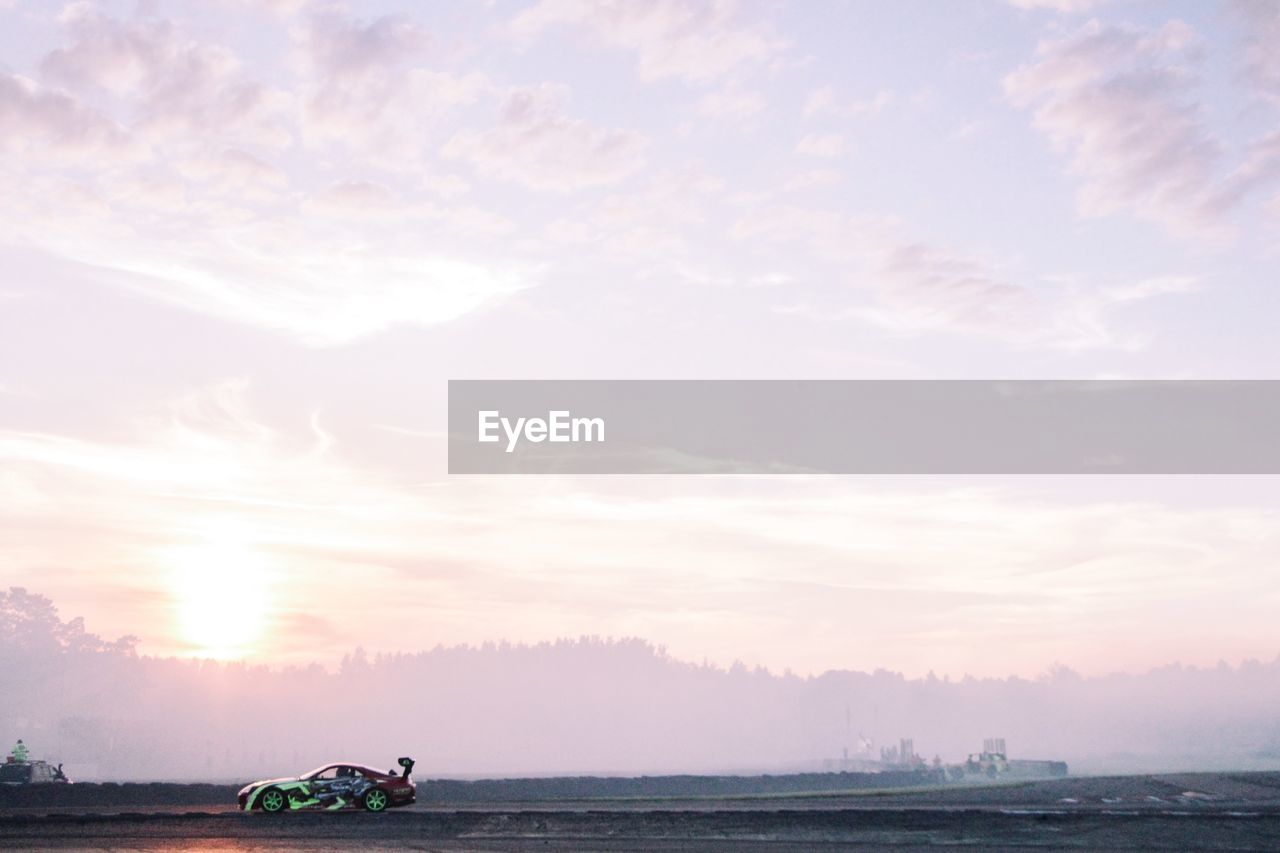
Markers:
point(375, 800)
point(273, 801)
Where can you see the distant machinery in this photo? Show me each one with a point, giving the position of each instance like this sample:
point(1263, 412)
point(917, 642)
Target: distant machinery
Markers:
point(901, 757)
point(993, 763)
point(861, 760)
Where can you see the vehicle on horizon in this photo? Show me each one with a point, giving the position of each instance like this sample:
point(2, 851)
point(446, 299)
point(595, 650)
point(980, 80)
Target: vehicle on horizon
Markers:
point(994, 763)
point(35, 772)
point(330, 787)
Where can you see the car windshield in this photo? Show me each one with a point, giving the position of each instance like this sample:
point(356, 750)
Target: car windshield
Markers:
point(310, 774)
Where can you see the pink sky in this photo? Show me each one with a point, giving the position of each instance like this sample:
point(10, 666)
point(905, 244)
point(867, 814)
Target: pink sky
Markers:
point(245, 245)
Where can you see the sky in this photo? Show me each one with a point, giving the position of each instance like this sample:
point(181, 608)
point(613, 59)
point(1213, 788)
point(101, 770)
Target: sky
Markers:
point(244, 245)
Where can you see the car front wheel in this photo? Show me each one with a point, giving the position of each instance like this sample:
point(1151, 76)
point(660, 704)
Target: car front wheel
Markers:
point(273, 801)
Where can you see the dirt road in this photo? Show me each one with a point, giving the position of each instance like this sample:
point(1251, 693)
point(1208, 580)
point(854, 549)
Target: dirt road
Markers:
point(1182, 812)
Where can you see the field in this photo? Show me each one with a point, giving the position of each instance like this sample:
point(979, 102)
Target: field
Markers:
point(1172, 812)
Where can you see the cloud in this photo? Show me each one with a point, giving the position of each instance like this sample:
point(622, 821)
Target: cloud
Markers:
point(731, 104)
point(185, 480)
point(810, 179)
point(915, 286)
point(368, 93)
point(887, 276)
point(697, 40)
point(48, 123)
point(535, 144)
point(176, 86)
point(823, 103)
point(188, 199)
point(233, 172)
point(338, 45)
point(929, 286)
point(820, 102)
point(1122, 103)
point(278, 8)
point(1260, 167)
point(1148, 287)
point(390, 118)
point(1063, 6)
point(659, 217)
point(322, 296)
point(821, 145)
point(1260, 59)
point(222, 235)
point(199, 481)
point(357, 195)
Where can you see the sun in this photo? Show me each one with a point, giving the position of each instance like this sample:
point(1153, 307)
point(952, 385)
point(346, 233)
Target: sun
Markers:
point(220, 590)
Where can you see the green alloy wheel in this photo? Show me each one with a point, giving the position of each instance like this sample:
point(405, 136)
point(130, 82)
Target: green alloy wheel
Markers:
point(273, 801)
point(375, 800)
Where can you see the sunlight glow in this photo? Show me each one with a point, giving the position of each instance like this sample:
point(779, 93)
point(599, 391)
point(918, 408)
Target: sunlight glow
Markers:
point(221, 596)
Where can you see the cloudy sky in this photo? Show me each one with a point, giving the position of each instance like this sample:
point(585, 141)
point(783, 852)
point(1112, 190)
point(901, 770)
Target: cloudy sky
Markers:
point(243, 245)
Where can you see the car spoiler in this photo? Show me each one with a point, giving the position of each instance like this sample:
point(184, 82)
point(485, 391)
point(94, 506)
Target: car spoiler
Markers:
point(407, 764)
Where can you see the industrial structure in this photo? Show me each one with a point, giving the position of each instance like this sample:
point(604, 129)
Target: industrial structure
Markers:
point(994, 763)
point(991, 764)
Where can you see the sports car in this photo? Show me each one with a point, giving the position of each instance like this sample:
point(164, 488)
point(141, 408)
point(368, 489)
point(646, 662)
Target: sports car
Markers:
point(332, 787)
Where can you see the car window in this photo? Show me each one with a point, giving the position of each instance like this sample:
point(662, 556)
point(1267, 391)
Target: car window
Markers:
point(327, 773)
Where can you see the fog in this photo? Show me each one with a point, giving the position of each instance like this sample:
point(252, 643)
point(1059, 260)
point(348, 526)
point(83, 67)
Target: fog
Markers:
point(585, 705)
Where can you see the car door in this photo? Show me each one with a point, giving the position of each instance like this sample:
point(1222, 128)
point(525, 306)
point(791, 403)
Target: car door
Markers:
point(322, 783)
point(349, 784)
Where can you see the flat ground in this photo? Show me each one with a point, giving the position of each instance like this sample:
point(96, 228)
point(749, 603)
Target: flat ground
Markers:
point(1219, 811)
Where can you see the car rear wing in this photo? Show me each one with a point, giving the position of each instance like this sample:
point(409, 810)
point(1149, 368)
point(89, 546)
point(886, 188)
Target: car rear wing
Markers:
point(407, 764)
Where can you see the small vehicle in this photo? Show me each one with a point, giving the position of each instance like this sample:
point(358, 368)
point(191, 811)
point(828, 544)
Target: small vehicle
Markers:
point(332, 787)
point(31, 773)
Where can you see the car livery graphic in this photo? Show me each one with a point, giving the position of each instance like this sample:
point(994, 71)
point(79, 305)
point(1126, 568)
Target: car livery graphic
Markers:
point(332, 787)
